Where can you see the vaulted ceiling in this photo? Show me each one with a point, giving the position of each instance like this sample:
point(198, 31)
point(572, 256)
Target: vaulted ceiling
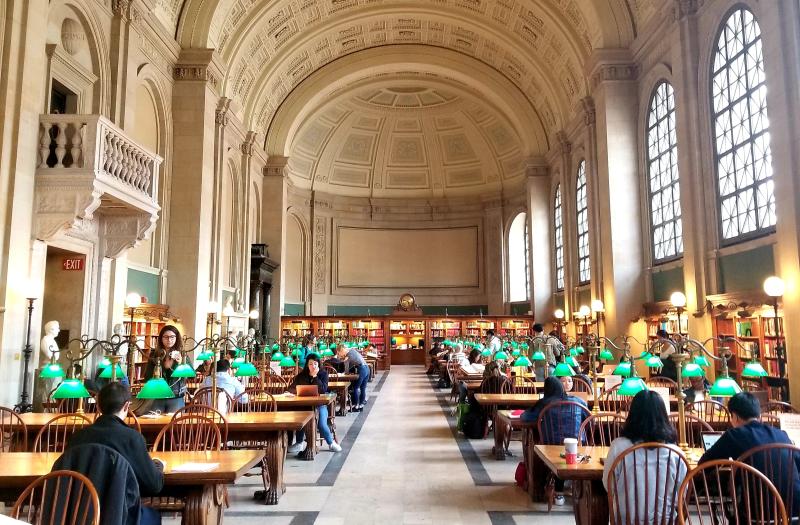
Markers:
point(298, 67)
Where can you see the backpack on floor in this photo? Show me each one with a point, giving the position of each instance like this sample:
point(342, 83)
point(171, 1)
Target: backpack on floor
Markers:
point(474, 423)
point(521, 476)
point(461, 412)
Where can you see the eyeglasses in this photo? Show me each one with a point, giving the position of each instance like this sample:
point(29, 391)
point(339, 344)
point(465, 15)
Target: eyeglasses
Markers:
point(169, 336)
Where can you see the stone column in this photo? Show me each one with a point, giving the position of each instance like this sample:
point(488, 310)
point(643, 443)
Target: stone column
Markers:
point(122, 67)
point(619, 232)
point(568, 223)
point(273, 212)
point(494, 259)
point(220, 123)
point(321, 233)
point(539, 229)
point(193, 110)
point(247, 148)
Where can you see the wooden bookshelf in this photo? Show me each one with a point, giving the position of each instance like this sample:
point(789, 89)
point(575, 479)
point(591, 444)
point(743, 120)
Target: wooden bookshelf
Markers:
point(373, 331)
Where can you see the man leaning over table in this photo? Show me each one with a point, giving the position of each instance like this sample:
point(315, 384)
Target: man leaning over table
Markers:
point(109, 429)
point(227, 382)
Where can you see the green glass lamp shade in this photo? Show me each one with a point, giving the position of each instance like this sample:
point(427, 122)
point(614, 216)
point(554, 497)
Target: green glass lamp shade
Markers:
point(500, 355)
point(524, 346)
point(52, 371)
point(332, 346)
point(631, 386)
point(205, 356)
point(320, 345)
point(327, 352)
point(287, 361)
point(692, 370)
point(106, 373)
point(276, 347)
point(240, 353)
point(654, 362)
point(295, 352)
point(606, 355)
point(751, 369)
point(580, 349)
point(72, 389)
point(277, 356)
point(447, 342)
point(522, 360)
point(538, 356)
point(645, 355)
point(574, 351)
point(291, 345)
point(155, 388)
point(236, 363)
point(701, 360)
point(571, 361)
point(516, 352)
point(103, 363)
point(563, 370)
point(323, 346)
point(183, 370)
point(623, 369)
point(486, 352)
point(244, 370)
point(724, 387)
point(514, 344)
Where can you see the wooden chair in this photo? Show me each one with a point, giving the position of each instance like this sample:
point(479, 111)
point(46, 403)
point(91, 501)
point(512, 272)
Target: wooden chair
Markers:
point(579, 384)
point(452, 375)
point(331, 370)
point(188, 432)
point(524, 385)
point(209, 412)
point(132, 421)
point(601, 429)
point(54, 435)
point(222, 400)
point(13, 432)
point(288, 373)
point(275, 384)
point(493, 385)
point(777, 462)
point(258, 401)
point(710, 411)
point(694, 428)
point(61, 497)
point(656, 471)
point(558, 421)
point(771, 420)
point(70, 406)
point(663, 382)
point(727, 491)
point(778, 407)
point(611, 401)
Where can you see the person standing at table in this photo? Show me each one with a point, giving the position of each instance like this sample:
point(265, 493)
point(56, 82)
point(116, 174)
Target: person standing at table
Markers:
point(665, 349)
point(312, 374)
point(309, 347)
point(110, 430)
point(168, 350)
point(493, 342)
point(353, 359)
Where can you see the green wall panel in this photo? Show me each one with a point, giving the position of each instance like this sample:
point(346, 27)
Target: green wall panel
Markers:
point(746, 270)
point(666, 282)
point(145, 284)
point(354, 310)
point(294, 309)
point(520, 308)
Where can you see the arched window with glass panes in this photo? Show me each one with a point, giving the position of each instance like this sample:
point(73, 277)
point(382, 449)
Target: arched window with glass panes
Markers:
point(558, 239)
point(518, 268)
point(582, 216)
point(662, 169)
point(741, 131)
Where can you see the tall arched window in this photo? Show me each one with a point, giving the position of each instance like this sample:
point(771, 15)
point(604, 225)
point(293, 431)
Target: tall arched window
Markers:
point(558, 239)
point(582, 207)
point(741, 130)
point(518, 280)
point(662, 166)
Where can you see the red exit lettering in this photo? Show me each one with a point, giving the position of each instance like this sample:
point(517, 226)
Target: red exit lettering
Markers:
point(72, 264)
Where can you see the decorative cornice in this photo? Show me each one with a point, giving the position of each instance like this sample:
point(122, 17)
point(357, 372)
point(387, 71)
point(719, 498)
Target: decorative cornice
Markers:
point(683, 8)
point(248, 146)
point(611, 65)
point(276, 167)
point(536, 167)
point(565, 146)
point(221, 114)
point(195, 65)
point(122, 9)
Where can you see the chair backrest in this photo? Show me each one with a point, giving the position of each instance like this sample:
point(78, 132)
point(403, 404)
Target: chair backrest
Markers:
point(694, 428)
point(663, 382)
point(612, 401)
point(601, 429)
point(579, 384)
point(561, 420)
point(778, 407)
point(453, 367)
point(643, 484)
point(206, 411)
point(778, 462)
point(61, 497)
point(13, 432)
point(53, 436)
point(258, 401)
point(524, 385)
point(220, 398)
point(771, 420)
point(727, 491)
point(710, 411)
point(331, 370)
point(132, 421)
point(190, 432)
point(70, 406)
point(275, 384)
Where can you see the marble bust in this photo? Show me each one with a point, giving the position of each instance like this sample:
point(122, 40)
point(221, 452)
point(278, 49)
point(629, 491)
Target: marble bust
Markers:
point(48, 346)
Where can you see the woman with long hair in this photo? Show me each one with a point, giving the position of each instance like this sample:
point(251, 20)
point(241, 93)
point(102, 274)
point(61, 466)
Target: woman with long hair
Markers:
point(313, 374)
point(168, 350)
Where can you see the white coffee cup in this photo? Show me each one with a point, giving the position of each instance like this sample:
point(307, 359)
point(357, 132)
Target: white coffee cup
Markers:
point(571, 450)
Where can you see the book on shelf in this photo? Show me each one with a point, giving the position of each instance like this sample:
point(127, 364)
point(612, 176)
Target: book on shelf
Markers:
point(769, 326)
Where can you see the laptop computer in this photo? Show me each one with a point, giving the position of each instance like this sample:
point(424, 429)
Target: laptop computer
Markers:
point(307, 391)
point(709, 438)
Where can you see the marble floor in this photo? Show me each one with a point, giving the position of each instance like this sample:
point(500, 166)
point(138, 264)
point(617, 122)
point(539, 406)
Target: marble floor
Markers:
point(401, 463)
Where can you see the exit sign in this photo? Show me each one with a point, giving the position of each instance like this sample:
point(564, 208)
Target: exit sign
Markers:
point(72, 264)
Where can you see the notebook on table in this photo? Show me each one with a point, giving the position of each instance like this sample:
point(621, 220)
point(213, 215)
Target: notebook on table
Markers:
point(307, 391)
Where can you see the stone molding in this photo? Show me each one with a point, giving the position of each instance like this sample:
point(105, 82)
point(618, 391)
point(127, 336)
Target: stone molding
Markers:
point(589, 111)
point(196, 65)
point(276, 167)
point(247, 147)
point(683, 8)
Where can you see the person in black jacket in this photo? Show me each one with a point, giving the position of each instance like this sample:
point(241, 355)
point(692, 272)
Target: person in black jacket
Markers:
point(312, 374)
point(109, 429)
point(169, 350)
point(749, 432)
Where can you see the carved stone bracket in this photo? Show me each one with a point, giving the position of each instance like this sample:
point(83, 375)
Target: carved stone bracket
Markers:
point(742, 304)
point(118, 232)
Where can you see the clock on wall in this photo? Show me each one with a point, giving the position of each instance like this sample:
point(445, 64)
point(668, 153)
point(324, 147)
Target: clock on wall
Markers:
point(407, 302)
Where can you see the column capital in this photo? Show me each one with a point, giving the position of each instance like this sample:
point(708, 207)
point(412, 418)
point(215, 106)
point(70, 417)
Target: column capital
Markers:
point(611, 65)
point(536, 167)
point(564, 145)
point(221, 113)
point(248, 146)
point(589, 111)
point(684, 8)
point(197, 65)
point(276, 166)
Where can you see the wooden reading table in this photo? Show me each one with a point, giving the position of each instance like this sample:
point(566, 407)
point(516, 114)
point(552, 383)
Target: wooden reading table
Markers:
point(204, 491)
point(503, 424)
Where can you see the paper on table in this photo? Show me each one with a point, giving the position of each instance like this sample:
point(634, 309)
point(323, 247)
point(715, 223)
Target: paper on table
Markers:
point(611, 381)
point(790, 423)
point(195, 467)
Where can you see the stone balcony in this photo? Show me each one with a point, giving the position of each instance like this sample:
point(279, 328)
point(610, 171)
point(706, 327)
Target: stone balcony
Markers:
point(94, 182)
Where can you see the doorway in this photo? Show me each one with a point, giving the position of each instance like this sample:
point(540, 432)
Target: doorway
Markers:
point(64, 284)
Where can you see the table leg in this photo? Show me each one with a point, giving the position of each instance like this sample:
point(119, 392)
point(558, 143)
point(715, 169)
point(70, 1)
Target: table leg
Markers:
point(590, 502)
point(537, 474)
point(499, 439)
point(311, 439)
point(332, 419)
point(204, 505)
point(275, 455)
